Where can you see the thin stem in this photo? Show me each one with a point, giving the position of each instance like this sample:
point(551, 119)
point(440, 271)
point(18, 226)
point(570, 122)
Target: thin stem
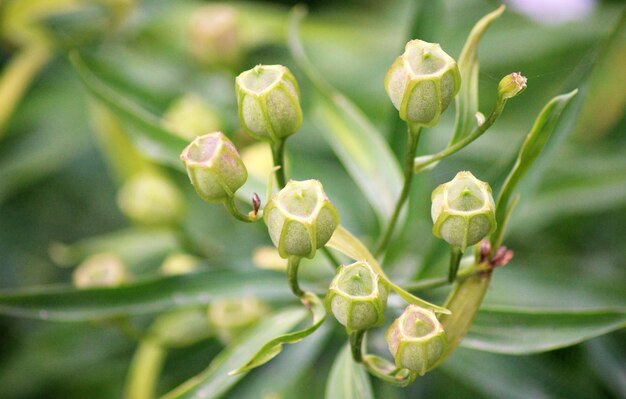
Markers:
point(413, 140)
point(356, 344)
point(419, 165)
point(144, 371)
point(455, 260)
point(230, 205)
point(278, 155)
point(436, 282)
point(292, 275)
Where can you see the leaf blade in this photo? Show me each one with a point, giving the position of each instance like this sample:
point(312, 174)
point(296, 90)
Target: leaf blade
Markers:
point(348, 379)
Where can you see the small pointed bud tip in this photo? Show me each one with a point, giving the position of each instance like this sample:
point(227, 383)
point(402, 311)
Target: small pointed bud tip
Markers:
point(256, 203)
point(512, 85)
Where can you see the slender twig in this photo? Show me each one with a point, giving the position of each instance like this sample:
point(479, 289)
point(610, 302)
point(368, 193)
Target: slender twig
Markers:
point(455, 259)
point(230, 205)
point(292, 275)
point(356, 344)
point(413, 140)
point(420, 163)
point(278, 155)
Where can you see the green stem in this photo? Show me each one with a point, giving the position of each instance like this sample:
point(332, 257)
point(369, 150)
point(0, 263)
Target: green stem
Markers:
point(413, 140)
point(436, 282)
point(419, 165)
point(334, 262)
point(230, 205)
point(356, 344)
point(278, 155)
point(292, 275)
point(455, 259)
point(145, 368)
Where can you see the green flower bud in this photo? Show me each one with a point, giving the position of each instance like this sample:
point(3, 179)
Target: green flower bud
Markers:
point(100, 270)
point(463, 211)
point(230, 317)
point(416, 339)
point(269, 102)
point(300, 218)
point(214, 38)
point(357, 297)
point(422, 82)
point(149, 198)
point(511, 85)
point(190, 117)
point(214, 166)
point(179, 263)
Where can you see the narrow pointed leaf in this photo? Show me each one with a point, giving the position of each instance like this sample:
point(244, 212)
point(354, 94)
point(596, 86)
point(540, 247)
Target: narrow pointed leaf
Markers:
point(521, 331)
point(64, 303)
point(215, 380)
point(348, 379)
point(272, 348)
point(467, 99)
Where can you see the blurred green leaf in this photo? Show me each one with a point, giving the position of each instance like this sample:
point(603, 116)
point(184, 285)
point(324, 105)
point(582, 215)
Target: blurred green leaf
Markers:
point(272, 348)
point(607, 362)
point(215, 380)
point(520, 331)
point(348, 379)
point(357, 143)
point(142, 297)
point(152, 139)
point(467, 99)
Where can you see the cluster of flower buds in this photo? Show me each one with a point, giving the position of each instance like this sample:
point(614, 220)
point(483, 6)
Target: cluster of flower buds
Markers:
point(357, 297)
point(300, 219)
point(463, 211)
point(269, 102)
point(422, 82)
point(417, 340)
point(214, 167)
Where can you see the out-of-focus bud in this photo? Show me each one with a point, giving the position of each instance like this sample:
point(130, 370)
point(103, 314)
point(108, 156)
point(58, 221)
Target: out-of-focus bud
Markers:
point(150, 199)
point(422, 82)
point(269, 102)
point(214, 166)
point(463, 211)
point(231, 317)
point(416, 339)
point(268, 258)
point(357, 297)
point(214, 35)
point(100, 270)
point(190, 117)
point(300, 218)
point(511, 85)
point(179, 263)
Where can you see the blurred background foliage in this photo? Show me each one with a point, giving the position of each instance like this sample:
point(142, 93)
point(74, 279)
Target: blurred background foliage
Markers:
point(64, 156)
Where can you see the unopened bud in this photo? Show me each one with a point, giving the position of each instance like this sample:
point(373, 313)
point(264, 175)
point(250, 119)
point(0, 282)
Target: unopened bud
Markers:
point(357, 297)
point(151, 199)
point(416, 339)
point(190, 117)
point(463, 211)
point(100, 270)
point(300, 218)
point(269, 102)
point(214, 166)
point(214, 35)
point(422, 82)
point(511, 85)
point(230, 317)
point(179, 263)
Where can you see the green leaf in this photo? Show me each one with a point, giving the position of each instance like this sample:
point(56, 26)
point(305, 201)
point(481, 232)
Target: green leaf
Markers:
point(520, 331)
point(467, 99)
point(62, 303)
point(531, 148)
point(344, 242)
point(215, 380)
point(152, 139)
point(272, 348)
point(348, 379)
point(358, 145)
